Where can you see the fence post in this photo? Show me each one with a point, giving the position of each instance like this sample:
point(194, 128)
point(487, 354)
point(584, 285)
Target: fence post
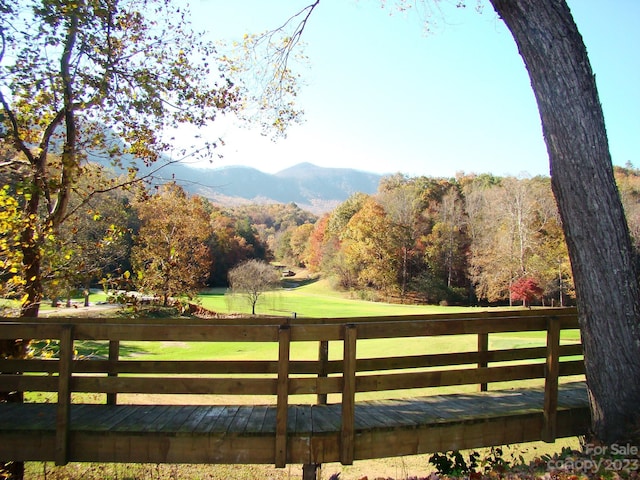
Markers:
point(114, 356)
point(282, 408)
point(65, 359)
point(483, 349)
point(552, 370)
point(323, 359)
point(347, 433)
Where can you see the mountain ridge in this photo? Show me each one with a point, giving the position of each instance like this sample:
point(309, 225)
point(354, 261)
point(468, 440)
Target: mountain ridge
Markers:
point(313, 188)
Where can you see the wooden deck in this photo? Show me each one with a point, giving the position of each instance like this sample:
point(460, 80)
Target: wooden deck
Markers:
point(287, 432)
point(245, 433)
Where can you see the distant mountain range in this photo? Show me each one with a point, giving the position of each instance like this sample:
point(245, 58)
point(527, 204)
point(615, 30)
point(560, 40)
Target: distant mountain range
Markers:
point(313, 188)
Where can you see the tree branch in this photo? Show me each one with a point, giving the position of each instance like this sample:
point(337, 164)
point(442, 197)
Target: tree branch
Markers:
point(282, 53)
point(69, 149)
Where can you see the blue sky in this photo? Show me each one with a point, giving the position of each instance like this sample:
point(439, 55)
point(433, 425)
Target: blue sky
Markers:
point(383, 95)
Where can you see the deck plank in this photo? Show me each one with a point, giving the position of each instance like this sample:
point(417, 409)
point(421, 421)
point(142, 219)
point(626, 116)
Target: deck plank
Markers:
point(240, 419)
point(269, 422)
point(224, 419)
point(303, 419)
point(206, 422)
point(388, 410)
point(384, 427)
point(256, 419)
point(141, 420)
point(174, 419)
point(326, 418)
point(104, 421)
point(189, 424)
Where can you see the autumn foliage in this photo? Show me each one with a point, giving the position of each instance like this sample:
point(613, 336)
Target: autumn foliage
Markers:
point(527, 290)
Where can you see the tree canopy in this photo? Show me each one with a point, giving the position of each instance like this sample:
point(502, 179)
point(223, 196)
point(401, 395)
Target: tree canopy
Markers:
point(170, 256)
point(252, 279)
point(94, 79)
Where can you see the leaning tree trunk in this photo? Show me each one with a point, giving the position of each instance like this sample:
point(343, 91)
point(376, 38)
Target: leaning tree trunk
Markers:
point(596, 231)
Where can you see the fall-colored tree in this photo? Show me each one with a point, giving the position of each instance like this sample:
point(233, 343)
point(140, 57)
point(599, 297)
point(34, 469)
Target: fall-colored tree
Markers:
point(526, 289)
point(399, 200)
point(300, 244)
point(170, 256)
point(490, 259)
point(271, 221)
point(514, 231)
point(316, 243)
point(447, 244)
point(93, 242)
point(85, 77)
point(11, 223)
point(341, 215)
point(370, 254)
point(281, 246)
point(329, 238)
point(232, 241)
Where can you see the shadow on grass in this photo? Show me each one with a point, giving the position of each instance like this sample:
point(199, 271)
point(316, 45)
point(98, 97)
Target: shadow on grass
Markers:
point(93, 349)
point(84, 349)
point(295, 283)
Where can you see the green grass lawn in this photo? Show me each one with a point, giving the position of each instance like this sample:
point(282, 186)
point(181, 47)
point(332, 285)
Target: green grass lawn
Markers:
point(317, 300)
point(313, 300)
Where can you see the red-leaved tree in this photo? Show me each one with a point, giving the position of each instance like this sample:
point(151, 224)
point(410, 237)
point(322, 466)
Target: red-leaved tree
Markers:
point(525, 289)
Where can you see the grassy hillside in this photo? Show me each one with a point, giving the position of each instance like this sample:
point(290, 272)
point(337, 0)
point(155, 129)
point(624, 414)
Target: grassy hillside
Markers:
point(314, 300)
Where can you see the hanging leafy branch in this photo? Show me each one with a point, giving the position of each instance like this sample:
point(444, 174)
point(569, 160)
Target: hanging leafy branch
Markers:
point(94, 77)
point(271, 85)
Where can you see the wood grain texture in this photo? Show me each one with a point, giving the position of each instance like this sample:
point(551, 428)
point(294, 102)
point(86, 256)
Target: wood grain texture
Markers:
point(246, 433)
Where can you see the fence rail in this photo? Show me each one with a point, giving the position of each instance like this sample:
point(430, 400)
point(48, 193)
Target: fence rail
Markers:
point(284, 377)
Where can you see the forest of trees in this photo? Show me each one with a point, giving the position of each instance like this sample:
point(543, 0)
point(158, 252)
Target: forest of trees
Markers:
point(465, 240)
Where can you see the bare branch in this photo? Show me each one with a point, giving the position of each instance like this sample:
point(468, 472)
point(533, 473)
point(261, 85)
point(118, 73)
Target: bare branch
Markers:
point(282, 54)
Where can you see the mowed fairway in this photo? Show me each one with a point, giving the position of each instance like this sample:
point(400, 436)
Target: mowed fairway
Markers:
point(317, 300)
point(314, 300)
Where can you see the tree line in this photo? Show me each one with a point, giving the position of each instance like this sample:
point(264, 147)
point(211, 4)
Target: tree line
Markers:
point(465, 240)
point(154, 239)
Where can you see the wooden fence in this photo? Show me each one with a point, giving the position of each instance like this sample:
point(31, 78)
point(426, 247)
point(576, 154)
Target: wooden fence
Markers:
point(282, 378)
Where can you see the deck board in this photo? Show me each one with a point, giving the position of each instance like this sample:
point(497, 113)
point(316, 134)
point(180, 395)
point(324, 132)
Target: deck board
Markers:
point(303, 420)
point(269, 423)
point(192, 420)
point(326, 418)
point(256, 420)
point(208, 420)
point(226, 433)
point(240, 420)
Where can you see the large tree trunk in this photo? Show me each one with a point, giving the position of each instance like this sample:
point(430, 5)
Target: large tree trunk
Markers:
point(593, 218)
